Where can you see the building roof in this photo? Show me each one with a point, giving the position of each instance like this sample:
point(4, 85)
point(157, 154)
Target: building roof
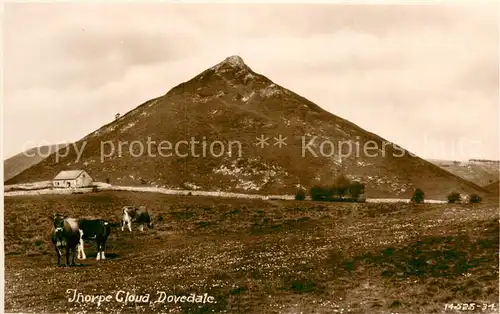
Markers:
point(68, 174)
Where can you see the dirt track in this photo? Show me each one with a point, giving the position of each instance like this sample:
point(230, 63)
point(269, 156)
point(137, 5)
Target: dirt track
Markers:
point(258, 256)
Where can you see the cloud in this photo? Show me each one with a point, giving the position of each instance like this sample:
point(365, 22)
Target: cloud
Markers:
point(391, 69)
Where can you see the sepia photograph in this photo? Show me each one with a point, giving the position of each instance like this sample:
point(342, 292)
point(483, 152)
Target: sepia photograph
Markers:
point(250, 157)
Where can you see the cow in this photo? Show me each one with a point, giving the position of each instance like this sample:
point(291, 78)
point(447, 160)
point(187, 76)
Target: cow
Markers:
point(132, 214)
point(93, 229)
point(65, 235)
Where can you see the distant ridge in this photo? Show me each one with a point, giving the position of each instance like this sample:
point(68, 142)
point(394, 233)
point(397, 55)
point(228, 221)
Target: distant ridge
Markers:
point(479, 171)
point(485, 161)
point(22, 161)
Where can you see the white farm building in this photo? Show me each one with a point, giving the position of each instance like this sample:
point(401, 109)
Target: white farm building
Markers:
point(72, 179)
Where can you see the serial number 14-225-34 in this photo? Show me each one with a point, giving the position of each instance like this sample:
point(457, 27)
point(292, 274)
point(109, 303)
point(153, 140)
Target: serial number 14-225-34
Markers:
point(470, 306)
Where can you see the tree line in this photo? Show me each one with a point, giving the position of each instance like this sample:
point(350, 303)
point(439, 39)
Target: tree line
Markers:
point(342, 189)
point(345, 190)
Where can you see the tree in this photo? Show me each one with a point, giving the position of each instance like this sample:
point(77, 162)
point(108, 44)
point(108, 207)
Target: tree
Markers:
point(341, 186)
point(418, 196)
point(453, 197)
point(474, 198)
point(300, 195)
point(319, 193)
point(337, 190)
point(356, 189)
point(117, 116)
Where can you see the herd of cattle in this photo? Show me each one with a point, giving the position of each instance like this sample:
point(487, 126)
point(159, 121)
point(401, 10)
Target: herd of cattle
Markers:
point(68, 233)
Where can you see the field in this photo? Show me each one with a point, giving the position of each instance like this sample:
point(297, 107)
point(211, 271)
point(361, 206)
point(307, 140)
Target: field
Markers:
point(258, 256)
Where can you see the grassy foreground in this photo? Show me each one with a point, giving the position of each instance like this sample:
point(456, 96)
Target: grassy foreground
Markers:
point(255, 256)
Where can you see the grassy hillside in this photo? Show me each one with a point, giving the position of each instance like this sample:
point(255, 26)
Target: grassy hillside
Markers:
point(493, 188)
point(259, 256)
point(231, 104)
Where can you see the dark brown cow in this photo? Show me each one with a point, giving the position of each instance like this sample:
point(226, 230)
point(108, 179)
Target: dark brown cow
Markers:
point(65, 235)
point(97, 230)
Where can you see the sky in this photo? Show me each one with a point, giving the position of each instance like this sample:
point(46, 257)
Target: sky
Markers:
point(422, 76)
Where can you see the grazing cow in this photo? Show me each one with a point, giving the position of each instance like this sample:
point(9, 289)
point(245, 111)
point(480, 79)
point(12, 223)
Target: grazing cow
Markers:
point(132, 214)
point(65, 235)
point(93, 229)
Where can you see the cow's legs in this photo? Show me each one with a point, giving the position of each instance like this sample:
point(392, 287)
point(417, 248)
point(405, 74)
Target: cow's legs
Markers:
point(59, 254)
point(123, 224)
point(129, 223)
point(101, 246)
point(81, 247)
point(81, 250)
point(141, 227)
point(67, 255)
point(103, 249)
point(73, 255)
point(98, 250)
point(79, 255)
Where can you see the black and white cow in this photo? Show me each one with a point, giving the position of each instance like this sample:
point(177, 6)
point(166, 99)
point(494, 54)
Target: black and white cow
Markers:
point(140, 216)
point(97, 230)
point(65, 235)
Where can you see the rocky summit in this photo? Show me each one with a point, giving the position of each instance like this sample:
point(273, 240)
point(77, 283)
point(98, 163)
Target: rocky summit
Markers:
point(231, 129)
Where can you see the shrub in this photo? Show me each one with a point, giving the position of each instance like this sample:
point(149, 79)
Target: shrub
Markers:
point(474, 198)
point(418, 196)
point(300, 195)
point(341, 186)
point(355, 189)
point(319, 193)
point(453, 197)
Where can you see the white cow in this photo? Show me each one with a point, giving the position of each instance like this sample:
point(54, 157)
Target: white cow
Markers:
point(132, 214)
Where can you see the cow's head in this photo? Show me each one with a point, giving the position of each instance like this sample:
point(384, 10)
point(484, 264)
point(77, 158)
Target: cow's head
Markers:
point(58, 220)
point(59, 232)
point(129, 210)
